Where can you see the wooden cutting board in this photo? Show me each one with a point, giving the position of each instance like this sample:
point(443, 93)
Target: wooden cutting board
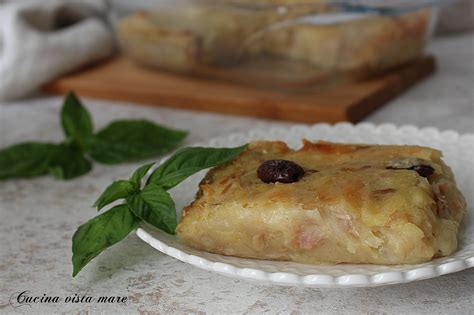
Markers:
point(120, 79)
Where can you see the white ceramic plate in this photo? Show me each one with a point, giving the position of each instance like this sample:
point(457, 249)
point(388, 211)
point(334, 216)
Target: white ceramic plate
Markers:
point(458, 153)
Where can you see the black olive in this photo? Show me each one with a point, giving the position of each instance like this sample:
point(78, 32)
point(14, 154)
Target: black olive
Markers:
point(423, 170)
point(281, 171)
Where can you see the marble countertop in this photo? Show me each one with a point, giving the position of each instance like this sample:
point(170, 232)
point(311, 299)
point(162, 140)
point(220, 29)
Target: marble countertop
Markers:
point(38, 218)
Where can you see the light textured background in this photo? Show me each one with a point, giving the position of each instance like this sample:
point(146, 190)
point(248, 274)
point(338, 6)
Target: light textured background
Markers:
point(38, 218)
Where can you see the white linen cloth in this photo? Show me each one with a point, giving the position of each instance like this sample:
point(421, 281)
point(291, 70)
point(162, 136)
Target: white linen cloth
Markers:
point(41, 40)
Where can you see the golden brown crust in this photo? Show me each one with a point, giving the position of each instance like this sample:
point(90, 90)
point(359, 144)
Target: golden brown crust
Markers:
point(356, 203)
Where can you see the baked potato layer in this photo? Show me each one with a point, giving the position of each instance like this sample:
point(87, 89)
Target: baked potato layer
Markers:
point(354, 204)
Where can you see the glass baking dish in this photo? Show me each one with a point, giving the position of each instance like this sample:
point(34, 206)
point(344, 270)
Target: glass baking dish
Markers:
point(287, 44)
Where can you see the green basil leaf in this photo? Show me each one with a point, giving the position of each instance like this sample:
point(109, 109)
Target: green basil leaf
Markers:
point(68, 162)
point(25, 159)
point(139, 173)
point(127, 140)
point(99, 233)
point(76, 120)
point(117, 190)
point(155, 206)
point(189, 161)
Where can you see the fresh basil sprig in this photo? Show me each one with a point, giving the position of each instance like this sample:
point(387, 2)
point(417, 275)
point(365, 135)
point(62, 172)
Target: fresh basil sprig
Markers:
point(151, 204)
point(76, 121)
point(120, 141)
point(138, 139)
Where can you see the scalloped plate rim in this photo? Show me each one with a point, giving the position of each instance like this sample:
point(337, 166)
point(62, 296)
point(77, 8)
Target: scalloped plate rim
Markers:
point(346, 280)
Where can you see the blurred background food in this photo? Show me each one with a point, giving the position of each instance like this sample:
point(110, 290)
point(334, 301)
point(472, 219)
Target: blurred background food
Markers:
point(275, 41)
point(290, 45)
